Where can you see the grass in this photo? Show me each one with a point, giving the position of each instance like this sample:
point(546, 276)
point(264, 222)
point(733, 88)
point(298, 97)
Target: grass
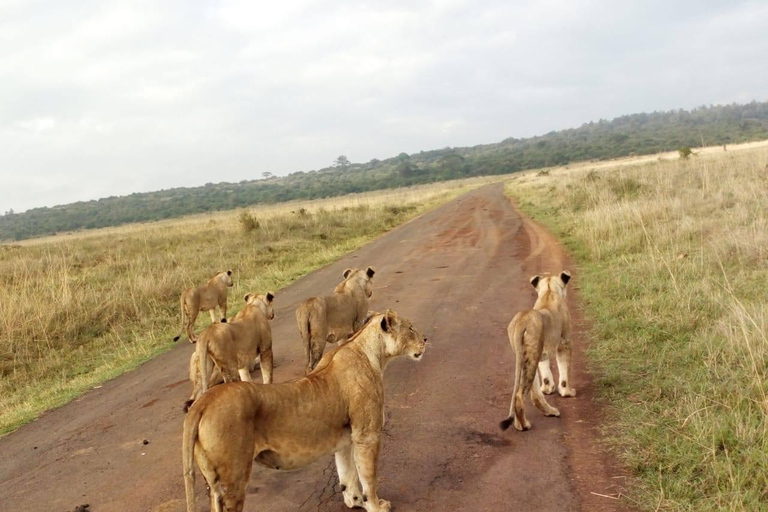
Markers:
point(673, 270)
point(85, 307)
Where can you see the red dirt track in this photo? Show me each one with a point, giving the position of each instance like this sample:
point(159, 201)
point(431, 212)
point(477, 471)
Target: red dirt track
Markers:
point(459, 272)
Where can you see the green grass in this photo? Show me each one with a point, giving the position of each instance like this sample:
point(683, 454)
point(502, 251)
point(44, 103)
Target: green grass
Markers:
point(673, 272)
point(87, 307)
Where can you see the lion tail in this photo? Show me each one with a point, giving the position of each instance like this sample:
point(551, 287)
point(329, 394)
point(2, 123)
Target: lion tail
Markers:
point(516, 334)
point(191, 426)
point(204, 361)
point(303, 320)
point(181, 329)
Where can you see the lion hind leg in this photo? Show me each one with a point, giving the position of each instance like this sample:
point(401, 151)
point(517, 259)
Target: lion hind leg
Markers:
point(316, 349)
point(191, 319)
point(521, 423)
point(348, 479)
point(563, 368)
point(267, 366)
point(211, 479)
point(517, 338)
point(245, 375)
point(228, 485)
point(545, 372)
point(230, 375)
point(538, 399)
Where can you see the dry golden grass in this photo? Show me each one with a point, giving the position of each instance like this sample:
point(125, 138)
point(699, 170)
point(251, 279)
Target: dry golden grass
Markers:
point(673, 269)
point(84, 307)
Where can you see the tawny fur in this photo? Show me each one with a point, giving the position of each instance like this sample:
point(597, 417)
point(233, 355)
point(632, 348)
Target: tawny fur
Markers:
point(233, 347)
point(337, 409)
point(333, 318)
point(204, 298)
point(194, 377)
point(535, 334)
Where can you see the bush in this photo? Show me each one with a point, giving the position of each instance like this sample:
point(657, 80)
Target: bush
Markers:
point(248, 222)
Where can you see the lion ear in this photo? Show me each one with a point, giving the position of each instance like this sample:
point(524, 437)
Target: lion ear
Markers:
point(388, 320)
point(247, 296)
point(270, 296)
point(347, 272)
point(565, 276)
point(369, 272)
point(535, 281)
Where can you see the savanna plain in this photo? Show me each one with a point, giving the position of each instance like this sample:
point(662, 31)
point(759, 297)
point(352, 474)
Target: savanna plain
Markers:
point(87, 306)
point(671, 267)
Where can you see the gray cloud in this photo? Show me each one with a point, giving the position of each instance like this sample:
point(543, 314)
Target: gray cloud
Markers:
point(107, 98)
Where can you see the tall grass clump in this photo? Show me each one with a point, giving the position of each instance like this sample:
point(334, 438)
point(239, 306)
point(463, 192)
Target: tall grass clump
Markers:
point(673, 268)
point(78, 309)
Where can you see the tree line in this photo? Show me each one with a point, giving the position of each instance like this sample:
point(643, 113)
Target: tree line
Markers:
point(635, 134)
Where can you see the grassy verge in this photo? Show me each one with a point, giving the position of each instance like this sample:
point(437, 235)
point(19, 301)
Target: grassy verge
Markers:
point(86, 307)
point(673, 268)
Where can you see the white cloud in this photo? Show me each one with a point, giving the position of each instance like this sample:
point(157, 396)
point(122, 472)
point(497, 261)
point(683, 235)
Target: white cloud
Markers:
point(105, 98)
point(38, 124)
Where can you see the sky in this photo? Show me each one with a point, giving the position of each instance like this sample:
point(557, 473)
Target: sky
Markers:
point(103, 98)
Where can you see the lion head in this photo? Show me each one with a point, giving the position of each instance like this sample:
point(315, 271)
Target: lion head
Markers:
point(362, 278)
point(225, 276)
point(263, 302)
point(400, 336)
point(555, 284)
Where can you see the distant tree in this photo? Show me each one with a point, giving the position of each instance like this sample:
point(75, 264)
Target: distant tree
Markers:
point(640, 134)
point(267, 175)
point(342, 161)
point(453, 163)
point(405, 169)
point(9, 212)
point(685, 152)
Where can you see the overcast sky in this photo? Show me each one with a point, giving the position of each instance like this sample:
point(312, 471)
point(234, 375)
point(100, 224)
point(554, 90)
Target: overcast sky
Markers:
point(101, 98)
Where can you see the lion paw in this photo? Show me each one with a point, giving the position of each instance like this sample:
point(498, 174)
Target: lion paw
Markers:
point(553, 412)
point(567, 391)
point(383, 506)
point(522, 427)
point(547, 387)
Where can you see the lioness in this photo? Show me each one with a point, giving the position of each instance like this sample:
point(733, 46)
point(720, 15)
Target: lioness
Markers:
point(535, 334)
point(333, 318)
point(336, 409)
point(205, 298)
point(233, 347)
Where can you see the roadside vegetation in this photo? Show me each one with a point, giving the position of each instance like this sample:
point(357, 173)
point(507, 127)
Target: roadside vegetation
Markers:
point(630, 135)
point(673, 273)
point(82, 308)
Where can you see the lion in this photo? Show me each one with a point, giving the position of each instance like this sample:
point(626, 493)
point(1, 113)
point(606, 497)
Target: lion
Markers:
point(233, 347)
point(214, 380)
point(334, 318)
point(337, 409)
point(534, 334)
point(205, 298)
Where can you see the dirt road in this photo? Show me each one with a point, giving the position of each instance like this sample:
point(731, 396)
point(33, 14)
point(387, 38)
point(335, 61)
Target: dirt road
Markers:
point(459, 272)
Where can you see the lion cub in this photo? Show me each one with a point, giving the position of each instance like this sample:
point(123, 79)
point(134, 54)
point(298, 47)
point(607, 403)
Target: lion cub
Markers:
point(334, 318)
point(233, 346)
point(535, 334)
point(204, 298)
